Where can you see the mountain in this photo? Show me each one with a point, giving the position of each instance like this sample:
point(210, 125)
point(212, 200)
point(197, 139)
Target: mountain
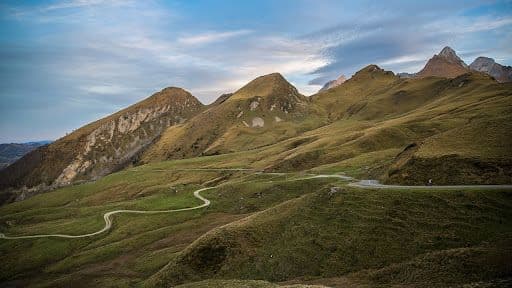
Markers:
point(488, 65)
point(445, 64)
point(289, 218)
point(98, 148)
point(333, 83)
point(266, 110)
point(10, 152)
point(221, 99)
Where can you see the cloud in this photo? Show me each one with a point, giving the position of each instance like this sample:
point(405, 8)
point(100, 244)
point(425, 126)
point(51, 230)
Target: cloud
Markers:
point(212, 36)
point(81, 59)
point(81, 4)
point(105, 89)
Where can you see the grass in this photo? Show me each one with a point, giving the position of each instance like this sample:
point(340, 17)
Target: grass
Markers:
point(324, 235)
point(145, 243)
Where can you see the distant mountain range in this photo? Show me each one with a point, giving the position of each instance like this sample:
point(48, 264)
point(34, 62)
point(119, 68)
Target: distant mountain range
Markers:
point(448, 64)
point(446, 122)
point(10, 152)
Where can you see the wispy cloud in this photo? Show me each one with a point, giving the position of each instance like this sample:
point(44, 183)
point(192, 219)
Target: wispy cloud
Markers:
point(213, 36)
point(81, 3)
point(88, 58)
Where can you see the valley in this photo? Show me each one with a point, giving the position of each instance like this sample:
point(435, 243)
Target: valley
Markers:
point(375, 181)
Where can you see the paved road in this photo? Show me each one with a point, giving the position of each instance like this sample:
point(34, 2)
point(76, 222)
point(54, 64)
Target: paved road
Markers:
point(374, 184)
point(367, 184)
point(108, 219)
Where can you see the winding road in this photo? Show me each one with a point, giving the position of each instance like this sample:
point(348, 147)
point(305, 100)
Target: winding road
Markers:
point(108, 219)
point(365, 184)
point(374, 184)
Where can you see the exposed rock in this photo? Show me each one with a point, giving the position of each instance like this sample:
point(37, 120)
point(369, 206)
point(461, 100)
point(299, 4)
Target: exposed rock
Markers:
point(101, 147)
point(445, 64)
point(277, 119)
point(258, 122)
point(333, 83)
point(489, 66)
point(254, 105)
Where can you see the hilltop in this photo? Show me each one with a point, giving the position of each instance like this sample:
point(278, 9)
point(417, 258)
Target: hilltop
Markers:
point(99, 148)
point(265, 111)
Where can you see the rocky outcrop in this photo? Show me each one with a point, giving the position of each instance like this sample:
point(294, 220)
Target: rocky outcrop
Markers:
point(489, 66)
point(101, 147)
point(445, 64)
point(333, 83)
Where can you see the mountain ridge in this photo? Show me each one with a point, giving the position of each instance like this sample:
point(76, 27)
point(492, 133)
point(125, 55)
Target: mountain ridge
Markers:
point(445, 64)
point(100, 147)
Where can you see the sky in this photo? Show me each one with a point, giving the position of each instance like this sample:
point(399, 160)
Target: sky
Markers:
point(65, 63)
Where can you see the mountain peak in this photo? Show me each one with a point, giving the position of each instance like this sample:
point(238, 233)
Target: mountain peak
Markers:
point(333, 83)
point(448, 52)
point(489, 66)
point(371, 71)
point(266, 85)
point(445, 64)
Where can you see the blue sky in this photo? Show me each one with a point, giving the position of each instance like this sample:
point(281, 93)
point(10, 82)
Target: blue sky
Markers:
point(66, 63)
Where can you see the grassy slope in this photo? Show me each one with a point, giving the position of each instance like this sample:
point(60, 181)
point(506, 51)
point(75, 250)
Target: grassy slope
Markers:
point(138, 245)
point(353, 237)
point(327, 234)
point(220, 129)
point(310, 234)
point(372, 118)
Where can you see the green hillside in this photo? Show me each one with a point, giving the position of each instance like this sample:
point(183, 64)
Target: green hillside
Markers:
point(271, 223)
point(273, 227)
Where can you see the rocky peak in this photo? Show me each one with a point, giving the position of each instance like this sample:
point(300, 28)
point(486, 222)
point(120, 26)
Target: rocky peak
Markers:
point(482, 64)
point(445, 64)
point(333, 83)
point(450, 55)
point(489, 66)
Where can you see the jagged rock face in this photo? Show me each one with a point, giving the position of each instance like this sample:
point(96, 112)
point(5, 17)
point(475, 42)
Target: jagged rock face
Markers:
point(489, 66)
point(445, 64)
point(104, 146)
point(333, 83)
